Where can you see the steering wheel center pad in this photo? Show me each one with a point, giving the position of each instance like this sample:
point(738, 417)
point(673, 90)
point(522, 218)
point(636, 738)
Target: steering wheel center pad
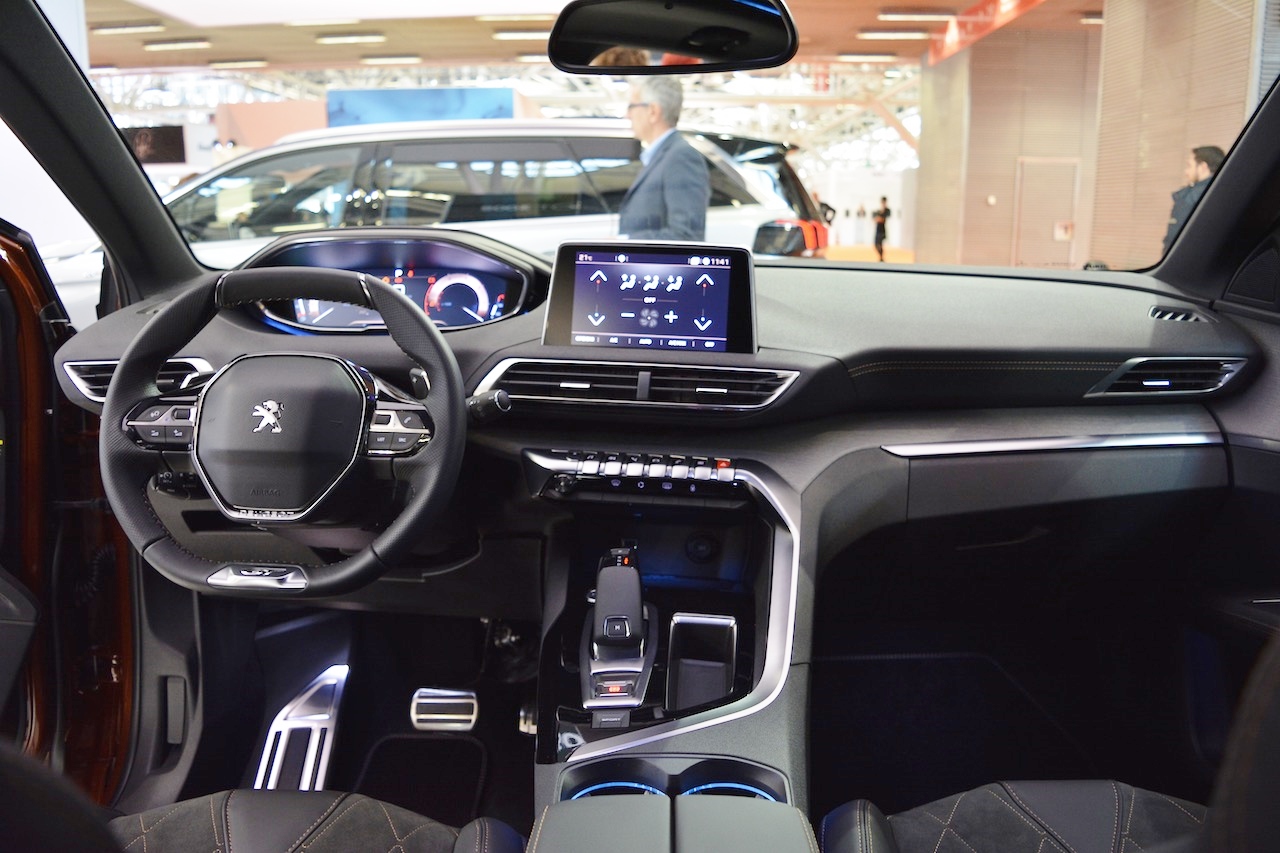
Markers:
point(276, 433)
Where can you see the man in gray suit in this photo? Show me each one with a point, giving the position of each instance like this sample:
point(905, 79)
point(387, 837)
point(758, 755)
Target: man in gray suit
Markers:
point(668, 200)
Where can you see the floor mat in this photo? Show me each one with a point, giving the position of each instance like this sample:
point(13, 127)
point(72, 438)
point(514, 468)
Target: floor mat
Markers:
point(902, 730)
point(440, 776)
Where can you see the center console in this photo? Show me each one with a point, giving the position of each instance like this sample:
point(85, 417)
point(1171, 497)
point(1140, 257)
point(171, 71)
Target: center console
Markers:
point(671, 587)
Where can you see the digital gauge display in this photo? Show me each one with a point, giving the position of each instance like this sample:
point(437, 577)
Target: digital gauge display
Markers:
point(448, 297)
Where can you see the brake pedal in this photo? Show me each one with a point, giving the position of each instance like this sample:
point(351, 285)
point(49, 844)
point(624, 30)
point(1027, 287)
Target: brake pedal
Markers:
point(436, 710)
point(296, 753)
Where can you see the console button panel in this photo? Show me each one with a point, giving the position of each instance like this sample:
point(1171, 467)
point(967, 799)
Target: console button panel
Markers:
point(637, 478)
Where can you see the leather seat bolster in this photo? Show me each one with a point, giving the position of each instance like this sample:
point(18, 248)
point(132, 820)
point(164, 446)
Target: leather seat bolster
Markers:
point(488, 836)
point(857, 827)
point(285, 822)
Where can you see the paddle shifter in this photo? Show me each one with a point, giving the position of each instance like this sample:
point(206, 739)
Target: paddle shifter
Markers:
point(619, 641)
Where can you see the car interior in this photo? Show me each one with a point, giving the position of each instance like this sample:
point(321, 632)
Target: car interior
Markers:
point(404, 538)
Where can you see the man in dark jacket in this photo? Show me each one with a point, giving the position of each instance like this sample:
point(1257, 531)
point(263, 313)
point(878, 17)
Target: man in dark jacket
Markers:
point(668, 200)
point(1202, 164)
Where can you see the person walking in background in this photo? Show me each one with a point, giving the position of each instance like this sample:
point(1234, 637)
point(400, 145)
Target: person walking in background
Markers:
point(1202, 164)
point(881, 215)
point(668, 200)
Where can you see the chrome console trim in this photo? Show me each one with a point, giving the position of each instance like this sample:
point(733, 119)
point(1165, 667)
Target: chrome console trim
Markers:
point(783, 591)
point(1029, 445)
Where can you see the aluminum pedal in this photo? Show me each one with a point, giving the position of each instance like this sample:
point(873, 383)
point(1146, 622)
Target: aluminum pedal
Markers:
point(300, 741)
point(436, 710)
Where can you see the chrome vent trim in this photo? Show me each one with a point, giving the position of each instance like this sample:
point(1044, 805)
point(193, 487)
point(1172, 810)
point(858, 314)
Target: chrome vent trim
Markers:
point(667, 386)
point(1178, 315)
point(92, 378)
point(1169, 377)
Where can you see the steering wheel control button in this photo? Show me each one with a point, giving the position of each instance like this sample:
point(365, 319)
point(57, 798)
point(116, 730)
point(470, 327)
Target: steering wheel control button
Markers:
point(286, 578)
point(398, 432)
point(276, 434)
point(152, 413)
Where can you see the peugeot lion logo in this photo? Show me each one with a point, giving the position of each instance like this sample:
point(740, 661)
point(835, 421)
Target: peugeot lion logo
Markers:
point(270, 412)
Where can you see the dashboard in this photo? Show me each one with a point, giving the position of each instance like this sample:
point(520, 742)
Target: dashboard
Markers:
point(454, 285)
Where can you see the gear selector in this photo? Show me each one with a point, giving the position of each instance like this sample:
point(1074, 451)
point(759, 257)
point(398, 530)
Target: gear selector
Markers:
point(619, 641)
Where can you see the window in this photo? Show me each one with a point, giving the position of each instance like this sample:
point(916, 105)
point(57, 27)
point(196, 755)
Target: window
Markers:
point(304, 191)
point(427, 183)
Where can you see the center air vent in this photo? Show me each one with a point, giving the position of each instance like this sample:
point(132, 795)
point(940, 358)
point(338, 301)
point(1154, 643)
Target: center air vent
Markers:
point(1177, 315)
point(93, 377)
point(658, 385)
point(1157, 377)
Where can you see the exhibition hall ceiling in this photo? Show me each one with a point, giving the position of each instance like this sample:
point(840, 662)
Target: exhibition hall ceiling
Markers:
point(315, 34)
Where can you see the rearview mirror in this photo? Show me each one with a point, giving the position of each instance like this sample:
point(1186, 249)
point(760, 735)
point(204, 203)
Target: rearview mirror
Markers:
point(626, 37)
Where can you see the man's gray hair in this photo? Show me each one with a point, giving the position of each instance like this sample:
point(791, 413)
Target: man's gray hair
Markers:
point(667, 93)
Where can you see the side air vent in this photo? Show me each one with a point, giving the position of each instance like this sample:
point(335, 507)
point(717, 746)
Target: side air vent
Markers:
point(655, 385)
point(1162, 377)
point(93, 377)
point(1177, 315)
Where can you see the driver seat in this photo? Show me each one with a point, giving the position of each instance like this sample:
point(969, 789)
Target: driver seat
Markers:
point(42, 811)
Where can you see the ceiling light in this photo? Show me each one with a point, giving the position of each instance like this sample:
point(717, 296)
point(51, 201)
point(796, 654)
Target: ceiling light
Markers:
point(127, 29)
point(102, 69)
point(513, 19)
point(351, 38)
point(894, 35)
point(390, 60)
point(331, 22)
point(232, 64)
point(521, 35)
point(916, 15)
point(178, 44)
point(868, 57)
point(532, 57)
point(1091, 19)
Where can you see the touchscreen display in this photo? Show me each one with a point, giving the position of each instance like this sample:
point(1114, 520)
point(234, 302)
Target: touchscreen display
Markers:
point(646, 297)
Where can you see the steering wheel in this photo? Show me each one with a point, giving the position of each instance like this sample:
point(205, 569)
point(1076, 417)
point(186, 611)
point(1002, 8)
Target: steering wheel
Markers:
point(284, 438)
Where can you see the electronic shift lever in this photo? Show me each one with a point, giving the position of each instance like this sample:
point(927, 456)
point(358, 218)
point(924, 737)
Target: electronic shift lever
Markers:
point(617, 631)
point(619, 641)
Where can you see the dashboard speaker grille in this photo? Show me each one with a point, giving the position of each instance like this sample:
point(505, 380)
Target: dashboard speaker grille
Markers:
point(654, 385)
point(1146, 377)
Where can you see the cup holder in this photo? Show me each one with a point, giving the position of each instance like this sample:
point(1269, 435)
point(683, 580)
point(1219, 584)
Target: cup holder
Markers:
point(616, 789)
point(674, 776)
point(730, 789)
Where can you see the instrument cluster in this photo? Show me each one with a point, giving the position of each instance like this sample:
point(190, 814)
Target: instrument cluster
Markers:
point(453, 284)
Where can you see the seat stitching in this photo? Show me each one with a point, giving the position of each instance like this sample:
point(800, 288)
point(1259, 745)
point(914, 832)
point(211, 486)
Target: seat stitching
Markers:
point(538, 833)
point(807, 830)
point(958, 836)
point(1115, 831)
point(1044, 835)
point(866, 827)
point(1039, 820)
point(307, 842)
point(167, 815)
point(395, 833)
point(1174, 803)
point(426, 825)
point(822, 827)
point(226, 820)
point(956, 807)
point(213, 821)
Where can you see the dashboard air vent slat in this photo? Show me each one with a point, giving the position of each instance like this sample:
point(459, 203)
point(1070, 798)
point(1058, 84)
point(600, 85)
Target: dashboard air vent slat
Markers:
point(1177, 315)
point(718, 387)
point(1169, 376)
point(570, 381)
point(93, 377)
point(653, 385)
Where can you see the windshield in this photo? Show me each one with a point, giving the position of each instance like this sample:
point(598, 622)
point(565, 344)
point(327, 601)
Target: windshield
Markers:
point(1043, 136)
